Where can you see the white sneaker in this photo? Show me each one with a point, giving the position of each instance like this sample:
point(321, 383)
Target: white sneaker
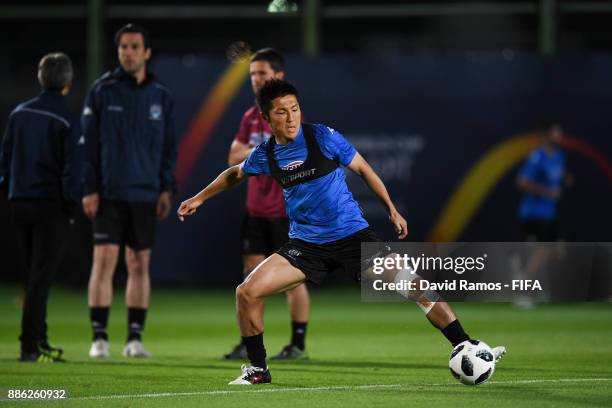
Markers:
point(135, 348)
point(99, 349)
point(499, 352)
point(252, 375)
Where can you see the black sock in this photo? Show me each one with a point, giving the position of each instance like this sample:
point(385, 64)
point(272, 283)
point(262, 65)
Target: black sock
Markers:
point(454, 333)
point(99, 319)
point(256, 350)
point(29, 346)
point(136, 321)
point(298, 334)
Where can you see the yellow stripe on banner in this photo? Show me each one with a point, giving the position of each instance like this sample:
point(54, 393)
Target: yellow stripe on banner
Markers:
point(224, 91)
point(201, 127)
point(477, 184)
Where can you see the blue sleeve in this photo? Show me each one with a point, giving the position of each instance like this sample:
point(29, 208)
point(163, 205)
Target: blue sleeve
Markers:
point(168, 182)
point(529, 169)
point(257, 162)
point(90, 122)
point(335, 146)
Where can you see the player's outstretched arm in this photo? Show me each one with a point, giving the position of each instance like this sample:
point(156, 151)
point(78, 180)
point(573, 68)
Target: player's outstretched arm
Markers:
point(224, 181)
point(361, 167)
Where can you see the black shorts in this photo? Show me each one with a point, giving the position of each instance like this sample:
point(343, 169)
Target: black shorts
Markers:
point(534, 230)
point(121, 222)
point(317, 261)
point(263, 235)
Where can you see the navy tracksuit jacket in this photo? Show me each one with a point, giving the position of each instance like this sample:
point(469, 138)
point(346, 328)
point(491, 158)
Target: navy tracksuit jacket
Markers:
point(129, 138)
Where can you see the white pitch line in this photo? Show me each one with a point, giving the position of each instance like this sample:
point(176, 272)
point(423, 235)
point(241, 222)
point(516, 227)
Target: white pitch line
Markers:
point(329, 388)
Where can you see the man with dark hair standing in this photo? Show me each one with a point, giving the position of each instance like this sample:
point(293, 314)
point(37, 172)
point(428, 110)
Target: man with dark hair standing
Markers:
point(265, 226)
point(37, 171)
point(128, 124)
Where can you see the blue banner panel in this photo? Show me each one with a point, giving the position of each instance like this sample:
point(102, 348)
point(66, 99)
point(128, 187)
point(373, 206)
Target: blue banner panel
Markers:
point(425, 123)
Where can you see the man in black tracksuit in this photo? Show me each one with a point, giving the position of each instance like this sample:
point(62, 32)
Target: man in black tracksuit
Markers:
point(37, 171)
point(128, 125)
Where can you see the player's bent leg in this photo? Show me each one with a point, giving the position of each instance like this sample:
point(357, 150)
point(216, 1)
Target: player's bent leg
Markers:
point(438, 312)
point(249, 262)
point(274, 275)
point(100, 294)
point(441, 315)
point(137, 299)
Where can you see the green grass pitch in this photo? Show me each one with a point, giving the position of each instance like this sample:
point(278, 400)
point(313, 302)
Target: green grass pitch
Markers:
point(361, 354)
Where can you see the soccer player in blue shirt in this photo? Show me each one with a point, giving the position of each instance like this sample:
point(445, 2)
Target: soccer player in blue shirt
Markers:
point(326, 223)
point(541, 180)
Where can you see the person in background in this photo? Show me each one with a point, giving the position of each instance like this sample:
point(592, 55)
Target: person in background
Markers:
point(541, 180)
point(38, 172)
point(265, 226)
point(128, 125)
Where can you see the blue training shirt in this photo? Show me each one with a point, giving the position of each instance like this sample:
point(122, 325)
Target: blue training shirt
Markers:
point(545, 169)
point(320, 210)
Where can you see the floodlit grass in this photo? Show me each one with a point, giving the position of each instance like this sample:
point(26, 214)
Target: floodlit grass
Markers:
point(360, 354)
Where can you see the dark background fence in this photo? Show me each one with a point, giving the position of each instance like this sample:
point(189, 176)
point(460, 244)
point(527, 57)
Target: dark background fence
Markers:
point(428, 91)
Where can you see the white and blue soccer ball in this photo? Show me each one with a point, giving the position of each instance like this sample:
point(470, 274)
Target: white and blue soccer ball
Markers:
point(472, 362)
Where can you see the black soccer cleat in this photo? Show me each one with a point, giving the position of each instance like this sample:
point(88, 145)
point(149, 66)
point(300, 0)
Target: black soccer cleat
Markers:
point(291, 352)
point(40, 356)
point(55, 352)
point(252, 375)
point(239, 352)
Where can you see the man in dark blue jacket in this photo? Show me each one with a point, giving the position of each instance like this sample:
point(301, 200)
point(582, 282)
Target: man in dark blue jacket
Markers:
point(128, 124)
point(37, 171)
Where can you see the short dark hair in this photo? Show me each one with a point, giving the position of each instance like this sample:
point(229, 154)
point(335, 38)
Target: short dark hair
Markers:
point(271, 56)
point(136, 29)
point(272, 89)
point(55, 71)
